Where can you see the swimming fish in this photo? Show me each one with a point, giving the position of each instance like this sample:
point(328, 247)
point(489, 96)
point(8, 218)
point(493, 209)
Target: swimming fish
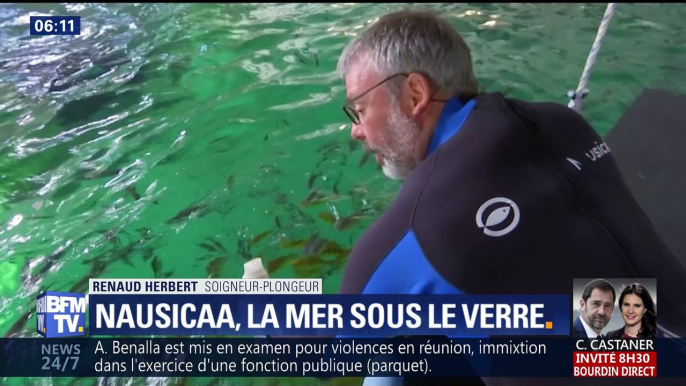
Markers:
point(313, 177)
point(243, 248)
point(328, 146)
point(346, 222)
point(314, 245)
point(18, 326)
point(97, 269)
point(156, 266)
point(132, 191)
point(312, 199)
point(209, 247)
point(344, 160)
point(333, 248)
point(259, 237)
point(308, 260)
point(274, 265)
point(281, 199)
point(352, 145)
point(324, 159)
point(218, 245)
point(364, 159)
point(187, 213)
point(336, 183)
point(215, 266)
point(328, 217)
point(297, 54)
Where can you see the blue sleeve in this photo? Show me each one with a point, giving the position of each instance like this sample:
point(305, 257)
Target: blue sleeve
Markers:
point(406, 270)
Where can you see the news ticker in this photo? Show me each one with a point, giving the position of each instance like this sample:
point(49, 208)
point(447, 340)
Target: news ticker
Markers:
point(414, 356)
point(152, 307)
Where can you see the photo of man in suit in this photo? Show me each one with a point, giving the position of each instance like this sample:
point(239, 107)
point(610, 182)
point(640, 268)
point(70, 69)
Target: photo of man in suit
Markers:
point(596, 306)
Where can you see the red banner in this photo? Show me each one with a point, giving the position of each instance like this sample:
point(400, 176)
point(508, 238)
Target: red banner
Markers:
point(615, 364)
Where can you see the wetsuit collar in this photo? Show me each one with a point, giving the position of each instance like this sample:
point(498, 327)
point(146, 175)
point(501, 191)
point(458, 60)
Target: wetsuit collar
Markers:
point(449, 122)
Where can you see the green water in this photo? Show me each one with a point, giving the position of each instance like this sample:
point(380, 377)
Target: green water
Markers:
point(235, 110)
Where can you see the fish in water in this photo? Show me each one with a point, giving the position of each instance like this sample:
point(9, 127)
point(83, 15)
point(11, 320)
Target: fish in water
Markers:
point(274, 265)
point(215, 266)
point(271, 170)
point(259, 237)
point(344, 160)
point(50, 261)
point(313, 177)
point(187, 213)
point(309, 260)
point(324, 159)
point(230, 181)
point(365, 158)
point(312, 266)
point(277, 222)
point(314, 245)
point(298, 55)
point(132, 191)
point(156, 266)
point(335, 185)
point(18, 326)
point(333, 248)
point(97, 269)
point(243, 248)
point(348, 221)
point(209, 247)
point(66, 190)
point(328, 217)
point(147, 254)
point(315, 197)
point(218, 245)
point(328, 146)
point(292, 243)
point(281, 199)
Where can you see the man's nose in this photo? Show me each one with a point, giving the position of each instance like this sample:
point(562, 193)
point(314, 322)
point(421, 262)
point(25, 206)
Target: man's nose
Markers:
point(357, 133)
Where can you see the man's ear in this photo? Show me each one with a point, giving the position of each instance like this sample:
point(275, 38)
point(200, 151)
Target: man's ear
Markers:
point(419, 90)
point(581, 304)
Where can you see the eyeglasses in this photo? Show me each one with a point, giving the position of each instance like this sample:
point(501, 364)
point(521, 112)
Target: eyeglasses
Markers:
point(353, 114)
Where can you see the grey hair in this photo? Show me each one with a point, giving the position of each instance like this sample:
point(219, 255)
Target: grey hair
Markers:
point(414, 41)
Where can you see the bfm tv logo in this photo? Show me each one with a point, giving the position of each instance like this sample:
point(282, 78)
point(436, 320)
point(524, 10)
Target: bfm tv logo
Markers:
point(61, 314)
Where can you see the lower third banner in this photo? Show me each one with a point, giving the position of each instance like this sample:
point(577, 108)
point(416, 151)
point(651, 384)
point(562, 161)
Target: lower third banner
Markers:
point(416, 356)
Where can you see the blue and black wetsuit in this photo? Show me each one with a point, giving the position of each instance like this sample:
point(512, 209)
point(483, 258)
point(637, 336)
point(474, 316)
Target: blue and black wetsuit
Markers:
point(514, 197)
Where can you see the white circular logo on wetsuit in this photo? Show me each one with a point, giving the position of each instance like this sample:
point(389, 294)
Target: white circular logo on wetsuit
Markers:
point(492, 225)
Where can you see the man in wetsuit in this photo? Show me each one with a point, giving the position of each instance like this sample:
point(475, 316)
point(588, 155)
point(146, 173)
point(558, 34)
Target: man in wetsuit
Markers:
point(499, 195)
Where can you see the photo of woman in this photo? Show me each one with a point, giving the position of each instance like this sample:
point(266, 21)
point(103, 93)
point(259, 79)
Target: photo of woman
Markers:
point(638, 311)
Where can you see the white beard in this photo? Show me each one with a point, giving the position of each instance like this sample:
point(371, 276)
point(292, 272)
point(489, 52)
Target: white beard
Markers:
point(400, 141)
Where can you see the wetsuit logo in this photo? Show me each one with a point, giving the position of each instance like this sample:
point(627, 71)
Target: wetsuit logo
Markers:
point(499, 211)
point(597, 151)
